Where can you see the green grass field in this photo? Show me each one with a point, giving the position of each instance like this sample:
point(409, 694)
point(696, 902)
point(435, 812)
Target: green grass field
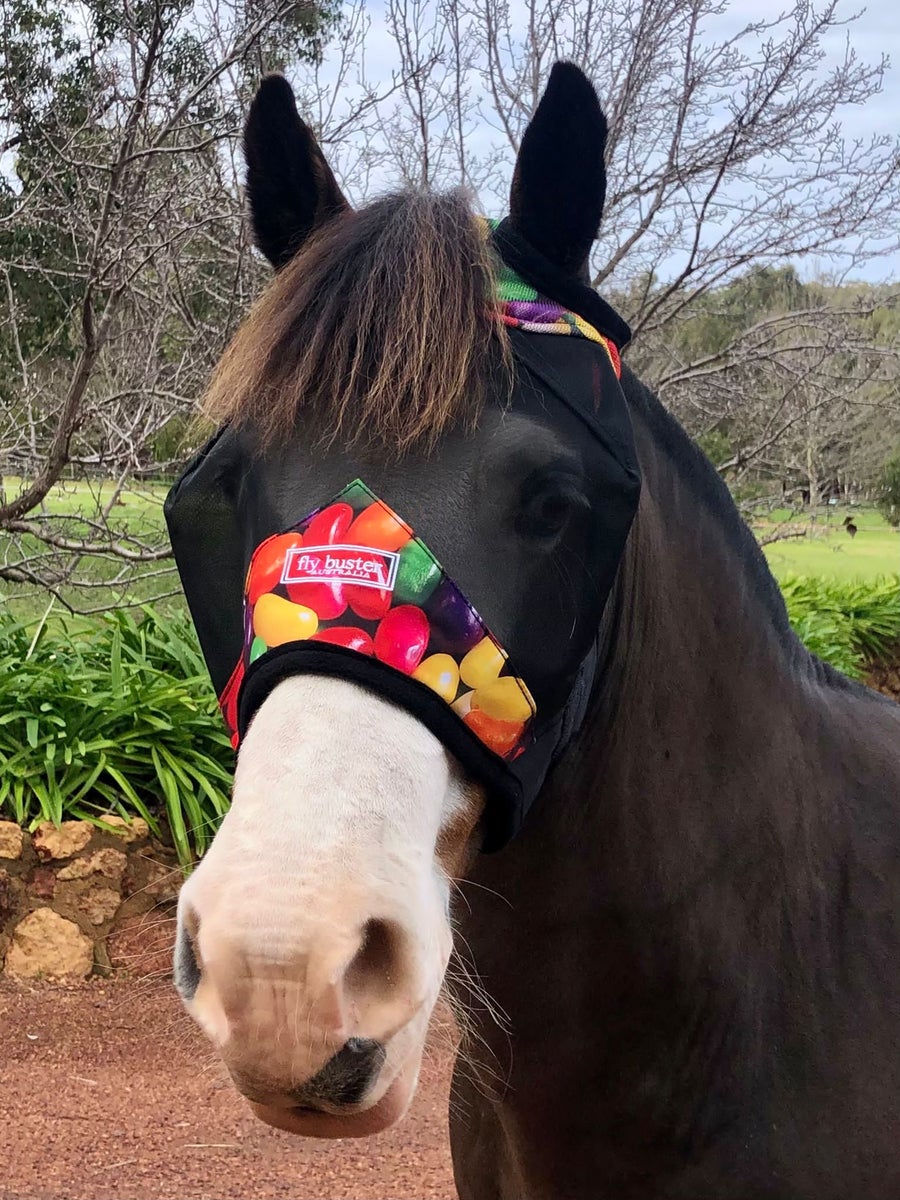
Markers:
point(77, 510)
point(139, 507)
point(826, 550)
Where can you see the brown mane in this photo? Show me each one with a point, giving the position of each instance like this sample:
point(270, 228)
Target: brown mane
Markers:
point(377, 327)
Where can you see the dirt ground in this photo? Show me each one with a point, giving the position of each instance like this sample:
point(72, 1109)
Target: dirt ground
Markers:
point(108, 1092)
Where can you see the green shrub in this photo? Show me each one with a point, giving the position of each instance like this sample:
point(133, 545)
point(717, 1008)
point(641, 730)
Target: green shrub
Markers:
point(847, 623)
point(117, 716)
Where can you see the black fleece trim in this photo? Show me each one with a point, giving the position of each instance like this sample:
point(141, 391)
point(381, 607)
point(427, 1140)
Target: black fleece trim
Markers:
point(504, 811)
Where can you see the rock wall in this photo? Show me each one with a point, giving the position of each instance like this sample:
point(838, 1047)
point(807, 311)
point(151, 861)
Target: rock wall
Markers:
point(70, 894)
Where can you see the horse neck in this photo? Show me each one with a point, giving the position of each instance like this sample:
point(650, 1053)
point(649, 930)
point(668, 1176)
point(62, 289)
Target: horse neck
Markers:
point(725, 776)
point(695, 882)
point(707, 700)
point(702, 808)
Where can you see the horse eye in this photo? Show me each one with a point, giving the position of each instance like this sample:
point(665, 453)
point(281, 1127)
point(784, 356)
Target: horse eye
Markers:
point(546, 510)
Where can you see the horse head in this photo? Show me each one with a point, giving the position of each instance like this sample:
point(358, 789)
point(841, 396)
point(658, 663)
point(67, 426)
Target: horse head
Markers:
point(397, 553)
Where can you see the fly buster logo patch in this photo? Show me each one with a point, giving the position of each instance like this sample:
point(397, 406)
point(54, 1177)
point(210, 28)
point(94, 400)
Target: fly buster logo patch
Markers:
point(361, 565)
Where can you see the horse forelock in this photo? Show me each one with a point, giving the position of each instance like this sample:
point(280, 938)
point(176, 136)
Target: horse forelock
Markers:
point(378, 330)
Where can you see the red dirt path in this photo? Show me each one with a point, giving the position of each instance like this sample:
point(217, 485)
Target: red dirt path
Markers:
point(108, 1092)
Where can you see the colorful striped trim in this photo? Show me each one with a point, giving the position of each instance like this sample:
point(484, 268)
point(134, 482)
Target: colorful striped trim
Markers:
point(522, 307)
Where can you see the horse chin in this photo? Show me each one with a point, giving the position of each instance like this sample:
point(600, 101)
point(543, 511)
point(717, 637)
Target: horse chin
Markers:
point(387, 1110)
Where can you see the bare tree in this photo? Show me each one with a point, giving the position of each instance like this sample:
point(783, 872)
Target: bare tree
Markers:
point(124, 265)
point(123, 262)
point(725, 153)
point(795, 392)
point(725, 141)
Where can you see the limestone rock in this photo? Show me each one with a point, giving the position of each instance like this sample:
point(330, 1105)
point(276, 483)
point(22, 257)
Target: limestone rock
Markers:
point(12, 839)
point(46, 946)
point(129, 831)
point(98, 904)
point(68, 839)
point(108, 863)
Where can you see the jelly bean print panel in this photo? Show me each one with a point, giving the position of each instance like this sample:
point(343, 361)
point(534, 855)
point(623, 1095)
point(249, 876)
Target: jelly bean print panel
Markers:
point(354, 574)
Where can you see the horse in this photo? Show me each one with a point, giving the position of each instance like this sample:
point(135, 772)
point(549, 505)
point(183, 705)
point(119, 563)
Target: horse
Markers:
point(680, 978)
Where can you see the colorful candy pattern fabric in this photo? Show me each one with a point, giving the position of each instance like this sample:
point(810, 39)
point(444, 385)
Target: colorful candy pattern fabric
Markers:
point(354, 574)
point(522, 307)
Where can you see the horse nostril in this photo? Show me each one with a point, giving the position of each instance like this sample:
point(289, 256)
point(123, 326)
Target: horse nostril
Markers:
point(379, 960)
point(347, 1075)
point(186, 967)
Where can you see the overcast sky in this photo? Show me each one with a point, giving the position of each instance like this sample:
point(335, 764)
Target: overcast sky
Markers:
point(876, 32)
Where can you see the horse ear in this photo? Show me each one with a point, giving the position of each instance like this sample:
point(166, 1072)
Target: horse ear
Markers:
point(291, 187)
point(559, 184)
